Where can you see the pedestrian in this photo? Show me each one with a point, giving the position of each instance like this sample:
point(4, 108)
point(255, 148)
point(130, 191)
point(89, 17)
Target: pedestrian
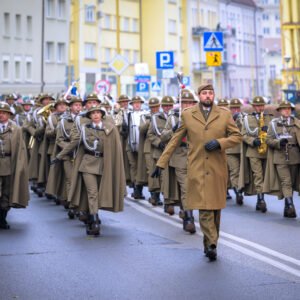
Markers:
point(210, 130)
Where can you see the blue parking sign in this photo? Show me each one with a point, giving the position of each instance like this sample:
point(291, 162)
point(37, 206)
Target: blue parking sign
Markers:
point(165, 60)
point(142, 87)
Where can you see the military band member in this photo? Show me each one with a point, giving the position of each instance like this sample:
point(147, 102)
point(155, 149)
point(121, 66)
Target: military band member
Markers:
point(178, 160)
point(121, 121)
point(58, 183)
point(283, 140)
point(100, 168)
point(254, 131)
point(210, 131)
point(153, 183)
point(234, 154)
point(11, 101)
point(25, 113)
point(36, 127)
point(13, 166)
point(157, 125)
point(133, 147)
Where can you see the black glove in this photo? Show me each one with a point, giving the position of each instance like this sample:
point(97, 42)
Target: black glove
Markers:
point(235, 116)
point(257, 142)
point(161, 146)
point(264, 128)
point(283, 142)
point(124, 130)
point(212, 145)
point(174, 128)
point(54, 161)
point(156, 172)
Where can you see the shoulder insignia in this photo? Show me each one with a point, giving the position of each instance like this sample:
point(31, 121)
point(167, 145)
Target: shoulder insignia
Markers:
point(224, 108)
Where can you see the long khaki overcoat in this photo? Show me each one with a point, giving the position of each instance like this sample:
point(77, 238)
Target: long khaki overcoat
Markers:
point(206, 171)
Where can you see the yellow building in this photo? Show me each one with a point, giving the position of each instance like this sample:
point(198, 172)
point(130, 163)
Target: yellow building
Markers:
point(135, 29)
point(290, 21)
point(120, 34)
point(84, 55)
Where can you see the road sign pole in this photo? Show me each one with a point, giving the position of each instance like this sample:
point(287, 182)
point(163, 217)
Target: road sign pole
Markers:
point(118, 45)
point(214, 77)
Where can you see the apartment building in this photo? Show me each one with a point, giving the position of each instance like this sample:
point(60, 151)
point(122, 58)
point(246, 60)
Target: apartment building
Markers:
point(33, 45)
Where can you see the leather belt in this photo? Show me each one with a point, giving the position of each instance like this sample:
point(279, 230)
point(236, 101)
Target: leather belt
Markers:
point(2, 155)
point(94, 153)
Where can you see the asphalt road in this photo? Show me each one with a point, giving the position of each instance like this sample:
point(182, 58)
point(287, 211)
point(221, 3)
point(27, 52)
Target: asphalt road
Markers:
point(144, 254)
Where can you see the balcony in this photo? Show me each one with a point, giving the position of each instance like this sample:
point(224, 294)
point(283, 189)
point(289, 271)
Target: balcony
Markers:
point(199, 67)
point(198, 31)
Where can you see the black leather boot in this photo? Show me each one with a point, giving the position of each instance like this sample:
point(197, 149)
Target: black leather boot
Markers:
point(3, 222)
point(211, 252)
point(238, 196)
point(139, 192)
point(188, 222)
point(228, 196)
point(169, 209)
point(71, 214)
point(93, 225)
point(156, 199)
point(261, 204)
point(289, 208)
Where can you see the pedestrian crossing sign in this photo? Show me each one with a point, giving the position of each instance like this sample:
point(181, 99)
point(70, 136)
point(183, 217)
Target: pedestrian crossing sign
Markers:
point(213, 41)
point(213, 59)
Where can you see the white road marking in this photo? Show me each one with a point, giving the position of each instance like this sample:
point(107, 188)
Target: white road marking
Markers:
point(142, 207)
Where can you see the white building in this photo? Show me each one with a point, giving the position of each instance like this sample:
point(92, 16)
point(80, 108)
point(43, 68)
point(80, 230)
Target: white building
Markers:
point(271, 27)
point(30, 55)
point(244, 73)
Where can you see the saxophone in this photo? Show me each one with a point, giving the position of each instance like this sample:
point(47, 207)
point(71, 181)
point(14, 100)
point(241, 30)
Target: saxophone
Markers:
point(262, 135)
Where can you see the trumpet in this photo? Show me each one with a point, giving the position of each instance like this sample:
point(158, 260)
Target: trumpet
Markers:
point(45, 112)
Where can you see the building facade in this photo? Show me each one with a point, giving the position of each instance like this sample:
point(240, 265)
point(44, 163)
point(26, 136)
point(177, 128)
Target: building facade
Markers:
point(33, 46)
point(272, 47)
point(243, 67)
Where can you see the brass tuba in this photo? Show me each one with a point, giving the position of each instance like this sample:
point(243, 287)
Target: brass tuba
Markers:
point(262, 135)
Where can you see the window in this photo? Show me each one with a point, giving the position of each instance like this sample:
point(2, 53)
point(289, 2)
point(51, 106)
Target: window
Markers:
point(266, 30)
point(49, 52)
point(180, 14)
point(127, 54)
point(18, 26)
point(107, 54)
point(135, 25)
point(265, 16)
point(195, 17)
point(278, 31)
point(50, 8)
point(29, 26)
point(172, 26)
point(28, 69)
point(90, 50)
point(126, 24)
point(61, 52)
point(89, 13)
point(107, 24)
point(61, 9)
point(136, 56)
point(17, 70)
point(277, 2)
point(272, 71)
point(5, 69)
point(277, 17)
point(6, 28)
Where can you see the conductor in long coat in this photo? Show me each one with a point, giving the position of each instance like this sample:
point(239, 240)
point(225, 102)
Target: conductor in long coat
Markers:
point(210, 130)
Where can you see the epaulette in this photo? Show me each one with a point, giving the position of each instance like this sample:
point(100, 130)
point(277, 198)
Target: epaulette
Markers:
point(224, 108)
point(187, 108)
